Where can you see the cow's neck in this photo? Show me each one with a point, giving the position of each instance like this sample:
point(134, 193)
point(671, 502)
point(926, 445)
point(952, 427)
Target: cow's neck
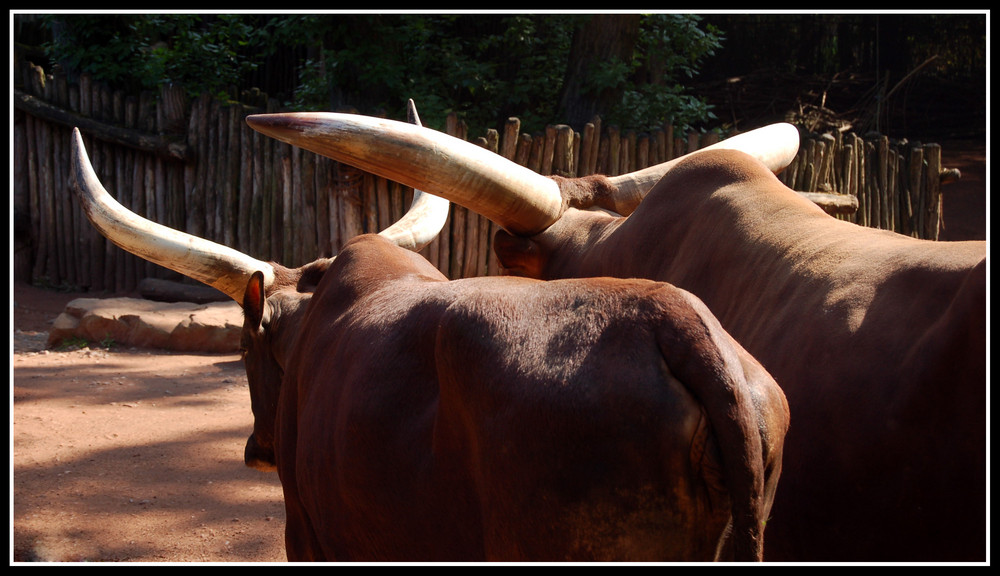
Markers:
point(749, 250)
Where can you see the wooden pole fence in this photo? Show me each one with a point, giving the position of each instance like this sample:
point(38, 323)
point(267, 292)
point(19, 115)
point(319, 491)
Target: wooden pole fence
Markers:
point(196, 166)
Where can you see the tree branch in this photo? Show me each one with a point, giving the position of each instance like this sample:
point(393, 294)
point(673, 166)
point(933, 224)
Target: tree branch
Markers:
point(124, 136)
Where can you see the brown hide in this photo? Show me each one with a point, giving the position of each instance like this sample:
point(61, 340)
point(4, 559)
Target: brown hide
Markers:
point(422, 419)
point(877, 340)
point(270, 323)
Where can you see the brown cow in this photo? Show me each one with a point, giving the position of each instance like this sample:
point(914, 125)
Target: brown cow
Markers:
point(412, 418)
point(878, 340)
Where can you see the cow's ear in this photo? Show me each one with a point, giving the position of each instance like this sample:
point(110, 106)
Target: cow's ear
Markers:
point(253, 300)
point(518, 255)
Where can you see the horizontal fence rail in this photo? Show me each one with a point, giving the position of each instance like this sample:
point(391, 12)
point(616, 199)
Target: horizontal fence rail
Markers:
point(196, 166)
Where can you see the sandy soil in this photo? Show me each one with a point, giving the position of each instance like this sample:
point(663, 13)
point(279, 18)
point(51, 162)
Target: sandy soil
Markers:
point(127, 455)
point(964, 202)
point(132, 455)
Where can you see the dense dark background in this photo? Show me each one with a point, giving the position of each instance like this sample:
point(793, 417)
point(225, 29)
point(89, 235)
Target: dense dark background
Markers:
point(918, 76)
point(904, 75)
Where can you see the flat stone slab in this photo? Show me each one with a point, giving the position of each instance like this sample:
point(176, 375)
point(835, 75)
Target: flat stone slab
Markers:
point(180, 326)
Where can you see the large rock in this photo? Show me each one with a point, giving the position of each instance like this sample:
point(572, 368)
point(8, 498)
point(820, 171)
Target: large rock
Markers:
point(169, 291)
point(181, 326)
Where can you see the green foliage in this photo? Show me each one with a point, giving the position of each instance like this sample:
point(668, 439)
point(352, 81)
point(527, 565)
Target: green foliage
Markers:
point(107, 342)
point(79, 343)
point(959, 44)
point(670, 50)
point(95, 44)
point(144, 51)
point(484, 67)
point(487, 68)
point(195, 45)
point(73, 343)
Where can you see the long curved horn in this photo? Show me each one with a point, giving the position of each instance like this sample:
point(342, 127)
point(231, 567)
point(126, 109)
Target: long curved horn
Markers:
point(521, 201)
point(775, 145)
point(203, 260)
point(427, 214)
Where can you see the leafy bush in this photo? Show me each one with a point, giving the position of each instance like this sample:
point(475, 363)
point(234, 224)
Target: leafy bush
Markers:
point(143, 51)
point(485, 67)
point(490, 67)
point(670, 51)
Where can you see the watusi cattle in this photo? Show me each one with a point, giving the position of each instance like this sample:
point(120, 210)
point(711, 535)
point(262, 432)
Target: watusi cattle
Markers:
point(413, 418)
point(878, 340)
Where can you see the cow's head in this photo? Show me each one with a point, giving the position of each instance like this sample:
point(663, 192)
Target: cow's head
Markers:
point(271, 320)
point(273, 297)
point(538, 214)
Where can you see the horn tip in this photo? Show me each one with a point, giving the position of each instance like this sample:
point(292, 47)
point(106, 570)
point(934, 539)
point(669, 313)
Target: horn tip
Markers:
point(274, 125)
point(411, 113)
point(283, 123)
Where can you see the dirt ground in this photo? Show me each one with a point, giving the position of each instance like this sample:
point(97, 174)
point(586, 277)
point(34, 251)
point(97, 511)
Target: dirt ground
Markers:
point(132, 455)
point(128, 455)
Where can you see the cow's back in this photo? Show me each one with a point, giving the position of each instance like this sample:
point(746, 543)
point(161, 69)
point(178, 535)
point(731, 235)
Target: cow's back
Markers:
point(585, 431)
point(498, 419)
point(878, 341)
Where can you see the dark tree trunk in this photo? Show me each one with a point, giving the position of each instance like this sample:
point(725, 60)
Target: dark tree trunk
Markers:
point(893, 48)
point(600, 39)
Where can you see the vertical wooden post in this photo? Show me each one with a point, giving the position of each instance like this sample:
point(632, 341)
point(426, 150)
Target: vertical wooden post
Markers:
point(932, 153)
